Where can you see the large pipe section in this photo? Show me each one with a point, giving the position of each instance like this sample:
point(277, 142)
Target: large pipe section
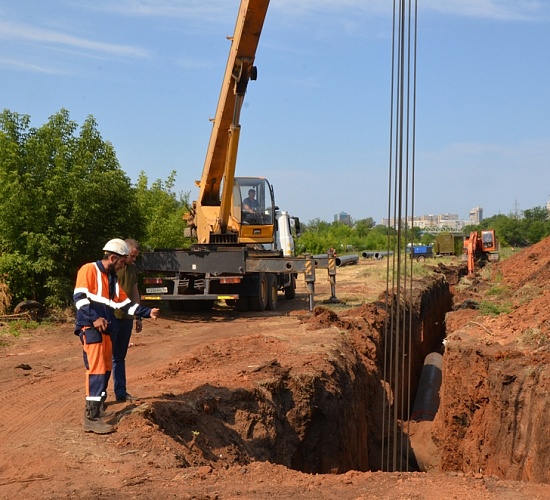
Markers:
point(375, 255)
point(346, 260)
point(323, 260)
point(426, 402)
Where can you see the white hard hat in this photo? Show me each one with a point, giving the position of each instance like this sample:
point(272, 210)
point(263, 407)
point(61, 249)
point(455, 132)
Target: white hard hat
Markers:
point(117, 246)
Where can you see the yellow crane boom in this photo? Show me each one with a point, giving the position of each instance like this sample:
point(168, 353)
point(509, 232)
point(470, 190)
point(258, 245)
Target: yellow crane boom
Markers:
point(212, 210)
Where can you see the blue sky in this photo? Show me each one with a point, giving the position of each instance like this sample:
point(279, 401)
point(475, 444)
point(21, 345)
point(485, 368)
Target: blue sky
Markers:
point(316, 122)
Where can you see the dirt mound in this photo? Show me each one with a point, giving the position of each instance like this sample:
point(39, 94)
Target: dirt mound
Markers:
point(494, 414)
point(528, 267)
point(284, 404)
point(510, 302)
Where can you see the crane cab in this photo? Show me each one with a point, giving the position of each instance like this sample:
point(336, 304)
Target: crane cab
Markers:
point(254, 209)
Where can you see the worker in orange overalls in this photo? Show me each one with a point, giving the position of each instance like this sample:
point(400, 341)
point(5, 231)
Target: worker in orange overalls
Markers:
point(97, 295)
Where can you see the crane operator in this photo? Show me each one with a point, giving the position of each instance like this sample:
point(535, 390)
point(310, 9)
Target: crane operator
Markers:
point(250, 204)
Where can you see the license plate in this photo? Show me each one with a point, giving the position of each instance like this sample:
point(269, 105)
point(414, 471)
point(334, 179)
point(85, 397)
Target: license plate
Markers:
point(158, 289)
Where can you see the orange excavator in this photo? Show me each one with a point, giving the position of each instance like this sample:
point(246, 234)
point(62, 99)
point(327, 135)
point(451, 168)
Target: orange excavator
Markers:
point(480, 247)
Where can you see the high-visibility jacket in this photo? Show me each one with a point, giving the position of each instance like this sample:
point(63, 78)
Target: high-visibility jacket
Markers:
point(97, 294)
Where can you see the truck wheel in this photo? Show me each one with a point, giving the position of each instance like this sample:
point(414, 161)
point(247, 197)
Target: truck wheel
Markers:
point(272, 292)
point(421, 258)
point(30, 306)
point(258, 302)
point(290, 290)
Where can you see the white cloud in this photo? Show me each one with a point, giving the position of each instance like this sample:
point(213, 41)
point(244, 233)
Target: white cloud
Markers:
point(505, 10)
point(27, 33)
point(212, 11)
point(515, 10)
point(532, 149)
point(33, 68)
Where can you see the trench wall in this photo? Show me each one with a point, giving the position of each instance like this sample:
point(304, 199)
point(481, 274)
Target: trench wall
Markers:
point(321, 419)
point(336, 416)
point(494, 416)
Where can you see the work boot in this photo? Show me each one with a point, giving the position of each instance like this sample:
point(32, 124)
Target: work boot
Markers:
point(92, 420)
point(103, 412)
point(127, 398)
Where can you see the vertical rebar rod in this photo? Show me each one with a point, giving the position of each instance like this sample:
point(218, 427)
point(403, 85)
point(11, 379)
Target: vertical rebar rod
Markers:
point(397, 332)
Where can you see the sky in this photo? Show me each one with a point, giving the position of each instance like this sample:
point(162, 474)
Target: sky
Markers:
point(316, 122)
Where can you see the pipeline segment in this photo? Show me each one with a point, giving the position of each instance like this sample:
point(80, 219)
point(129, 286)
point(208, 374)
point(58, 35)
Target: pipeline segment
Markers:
point(376, 255)
point(346, 260)
point(426, 402)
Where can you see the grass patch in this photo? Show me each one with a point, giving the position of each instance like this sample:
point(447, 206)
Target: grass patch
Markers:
point(505, 252)
point(14, 329)
point(533, 338)
point(498, 291)
point(527, 293)
point(17, 327)
point(346, 303)
point(488, 308)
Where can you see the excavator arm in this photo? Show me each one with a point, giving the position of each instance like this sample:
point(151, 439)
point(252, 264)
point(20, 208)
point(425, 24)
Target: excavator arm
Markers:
point(472, 249)
point(481, 246)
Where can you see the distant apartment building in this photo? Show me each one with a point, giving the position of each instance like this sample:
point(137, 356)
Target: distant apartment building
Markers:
point(343, 218)
point(476, 215)
point(432, 223)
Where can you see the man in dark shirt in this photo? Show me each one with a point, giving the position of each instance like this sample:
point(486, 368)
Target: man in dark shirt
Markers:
point(250, 204)
point(128, 279)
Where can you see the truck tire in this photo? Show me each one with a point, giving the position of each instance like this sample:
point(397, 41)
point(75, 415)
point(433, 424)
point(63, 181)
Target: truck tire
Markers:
point(30, 306)
point(272, 292)
point(290, 290)
point(258, 302)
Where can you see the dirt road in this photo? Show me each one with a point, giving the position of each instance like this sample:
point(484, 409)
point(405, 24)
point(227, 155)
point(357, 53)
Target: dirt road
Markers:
point(189, 370)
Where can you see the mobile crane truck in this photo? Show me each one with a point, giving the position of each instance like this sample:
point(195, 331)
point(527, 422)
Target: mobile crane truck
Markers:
point(245, 249)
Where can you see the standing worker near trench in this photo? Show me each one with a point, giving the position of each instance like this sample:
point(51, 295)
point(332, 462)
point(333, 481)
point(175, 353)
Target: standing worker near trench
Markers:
point(128, 279)
point(97, 295)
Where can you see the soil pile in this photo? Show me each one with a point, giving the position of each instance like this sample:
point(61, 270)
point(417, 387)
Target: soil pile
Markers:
point(285, 404)
point(495, 413)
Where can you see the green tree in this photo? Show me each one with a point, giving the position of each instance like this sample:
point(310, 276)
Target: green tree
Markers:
point(316, 226)
point(536, 224)
point(509, 230)
point(319, 236)
point(163, 212)
point(62, 196)
point(363, 226)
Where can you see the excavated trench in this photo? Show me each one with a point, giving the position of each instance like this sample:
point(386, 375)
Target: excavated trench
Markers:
point(330, 419)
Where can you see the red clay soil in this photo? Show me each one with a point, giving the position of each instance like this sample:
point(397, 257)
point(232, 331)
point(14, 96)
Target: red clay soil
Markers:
point(253, 405)
point(494, 416)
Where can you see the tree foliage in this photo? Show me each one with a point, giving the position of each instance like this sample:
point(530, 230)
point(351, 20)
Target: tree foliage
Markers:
point(533, 226)
point(162, 211)
point(318, 236)
point(62, 196)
